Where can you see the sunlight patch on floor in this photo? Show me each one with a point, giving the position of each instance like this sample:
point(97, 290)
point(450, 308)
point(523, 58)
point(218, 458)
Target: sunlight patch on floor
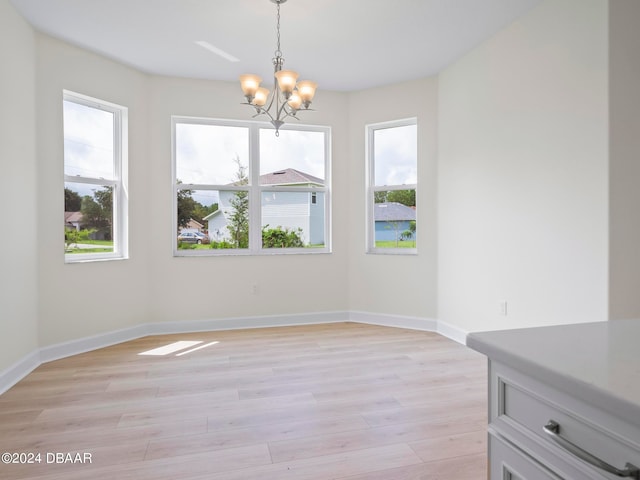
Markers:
point(171, 348)
point(196, 348)
point(177, 347)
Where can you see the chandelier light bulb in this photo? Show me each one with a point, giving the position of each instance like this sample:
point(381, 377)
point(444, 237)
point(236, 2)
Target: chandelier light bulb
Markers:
point(249, 84)
point(307, 90)
point(261, 96)
point(286, 81)
point(294, 100)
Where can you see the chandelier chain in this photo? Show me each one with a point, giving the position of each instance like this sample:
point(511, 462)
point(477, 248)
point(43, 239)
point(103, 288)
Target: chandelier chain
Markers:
point(278, 52)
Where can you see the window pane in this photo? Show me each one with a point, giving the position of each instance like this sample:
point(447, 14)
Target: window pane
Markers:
point(88, 218)
point(294, 158)
point(395, 155)
point(394, 218)
point(88, 141)
point(211, 154)
point(211, 219)
point(293, 219)
point(243, 188)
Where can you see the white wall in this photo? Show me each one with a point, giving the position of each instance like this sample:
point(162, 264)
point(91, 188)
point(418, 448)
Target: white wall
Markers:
point(624, 78)
point(18, 209)
point(394, 284)
point(523, 179)
point(80, 300)
point(84, 299)
point(195, 288)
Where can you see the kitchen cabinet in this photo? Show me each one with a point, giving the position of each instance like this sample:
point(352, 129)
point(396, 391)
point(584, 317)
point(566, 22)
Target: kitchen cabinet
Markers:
point(564, 401)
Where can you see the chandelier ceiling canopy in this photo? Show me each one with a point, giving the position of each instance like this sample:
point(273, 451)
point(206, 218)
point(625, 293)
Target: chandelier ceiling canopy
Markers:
point(288, 95)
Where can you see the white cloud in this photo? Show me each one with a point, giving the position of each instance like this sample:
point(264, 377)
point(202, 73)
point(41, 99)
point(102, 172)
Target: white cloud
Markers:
point(297, 149)
point(396, 155)
point(205, 154)
point(88, 141)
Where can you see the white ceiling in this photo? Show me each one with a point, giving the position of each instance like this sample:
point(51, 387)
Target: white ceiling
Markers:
point(342, 44)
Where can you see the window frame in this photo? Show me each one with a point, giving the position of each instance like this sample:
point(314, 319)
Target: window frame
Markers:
point(119, 182)
point(254, 189)
point(371, 188)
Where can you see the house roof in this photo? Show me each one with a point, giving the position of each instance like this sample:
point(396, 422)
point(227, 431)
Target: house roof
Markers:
point(73, 217)
point(212, 214)
point(393, 212)
point(194, 224)
point(289, 176)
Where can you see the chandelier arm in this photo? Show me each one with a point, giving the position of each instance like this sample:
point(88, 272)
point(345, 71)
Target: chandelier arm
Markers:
point(271, 100)
point(261, 111)
point(287, 112)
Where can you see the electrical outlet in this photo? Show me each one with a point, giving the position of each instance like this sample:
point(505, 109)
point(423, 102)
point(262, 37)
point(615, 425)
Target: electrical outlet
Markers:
point(503, 307)
point(254, 289)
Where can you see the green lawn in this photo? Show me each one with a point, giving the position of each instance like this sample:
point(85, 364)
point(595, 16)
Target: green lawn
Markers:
point(193, 246)
point(101, 246)
point(394, 244)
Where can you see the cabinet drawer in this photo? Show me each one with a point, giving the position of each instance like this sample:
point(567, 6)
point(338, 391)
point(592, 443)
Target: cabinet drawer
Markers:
point(507, 462)
point(527, 410)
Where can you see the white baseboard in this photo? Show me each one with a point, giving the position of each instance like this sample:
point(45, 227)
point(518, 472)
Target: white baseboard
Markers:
point(240, 323)
point(94, 342)
point(397, 321)
point(451, 331)
point(12, 375)
point(16, 372)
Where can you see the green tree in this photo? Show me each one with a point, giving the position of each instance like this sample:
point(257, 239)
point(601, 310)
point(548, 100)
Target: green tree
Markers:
point(186, 207)
point(410, 233)
point(200, 211)
point(395, 226)
point(379, 197)
point(405, 197)
point(72, 201)
point(97, 211)
point(238, 222)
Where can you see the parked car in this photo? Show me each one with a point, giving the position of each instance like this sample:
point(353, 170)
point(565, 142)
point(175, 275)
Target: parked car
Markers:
point(191, 237)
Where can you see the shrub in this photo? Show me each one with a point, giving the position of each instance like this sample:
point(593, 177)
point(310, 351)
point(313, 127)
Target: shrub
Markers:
point(73, 236)
point(281, 237)
point(221, 245)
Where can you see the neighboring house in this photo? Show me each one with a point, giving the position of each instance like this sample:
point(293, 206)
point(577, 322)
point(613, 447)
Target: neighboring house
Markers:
point(217, 221)
point(288, 210)
point(392, 219)
point(73, 220)
point(192, 226)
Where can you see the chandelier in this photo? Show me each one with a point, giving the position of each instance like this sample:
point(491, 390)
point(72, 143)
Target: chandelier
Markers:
point(287, 96)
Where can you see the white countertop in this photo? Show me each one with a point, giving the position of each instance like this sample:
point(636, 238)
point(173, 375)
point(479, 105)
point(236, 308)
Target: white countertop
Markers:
point(598, 362)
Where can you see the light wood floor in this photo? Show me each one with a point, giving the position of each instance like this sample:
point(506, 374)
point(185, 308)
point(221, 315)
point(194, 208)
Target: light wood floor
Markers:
point(339, 401)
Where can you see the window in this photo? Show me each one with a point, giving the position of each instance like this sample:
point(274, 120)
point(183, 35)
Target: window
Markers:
point(242, 190)
point(392, 155)
point(95, 194)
